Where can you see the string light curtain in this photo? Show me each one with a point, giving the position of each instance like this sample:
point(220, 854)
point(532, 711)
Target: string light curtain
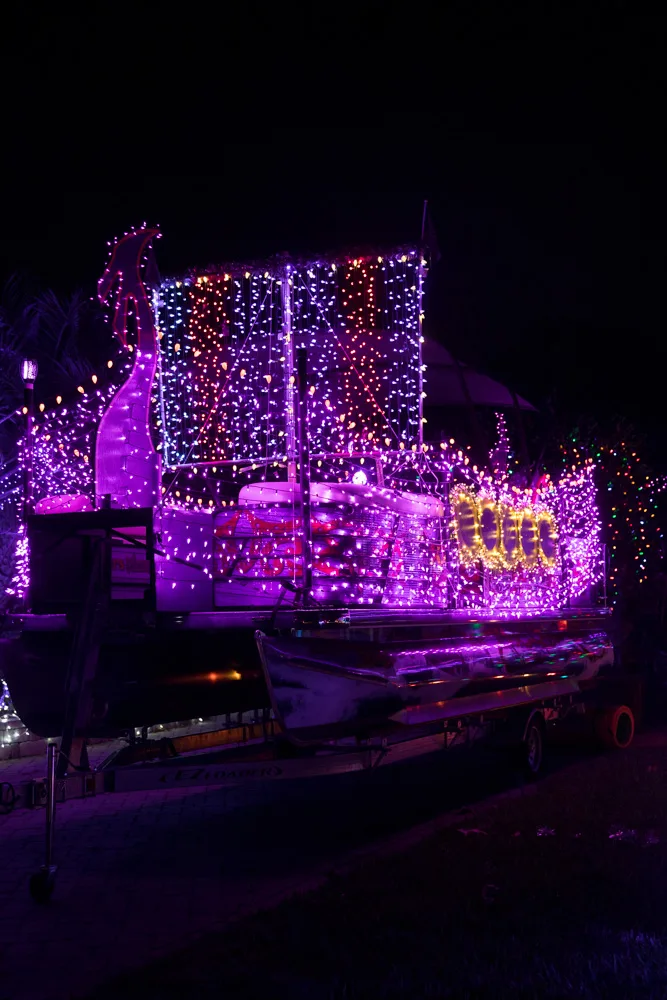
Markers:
point(227, 342)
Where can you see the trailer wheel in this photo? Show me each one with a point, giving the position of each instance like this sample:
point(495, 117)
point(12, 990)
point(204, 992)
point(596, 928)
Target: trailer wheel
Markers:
point(531, 748)
point(615, 727)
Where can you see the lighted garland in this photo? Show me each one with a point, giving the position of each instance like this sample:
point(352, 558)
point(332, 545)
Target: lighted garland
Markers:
point(12, 730)
point(581, 530)
point(63, 450)
point(499, 535)
point(511, 579)
point(511, 541)
point(465, 524)
point(64, 437)
point(547, 536)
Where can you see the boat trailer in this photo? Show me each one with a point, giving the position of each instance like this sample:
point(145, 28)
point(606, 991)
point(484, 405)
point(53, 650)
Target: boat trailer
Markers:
point(259, 752)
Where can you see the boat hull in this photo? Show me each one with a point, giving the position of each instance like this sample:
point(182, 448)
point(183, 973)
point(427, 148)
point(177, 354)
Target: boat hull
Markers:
point(326, 674)
point(323, 686)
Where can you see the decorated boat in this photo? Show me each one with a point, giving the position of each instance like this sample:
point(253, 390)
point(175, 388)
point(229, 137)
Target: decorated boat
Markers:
point(245, 510)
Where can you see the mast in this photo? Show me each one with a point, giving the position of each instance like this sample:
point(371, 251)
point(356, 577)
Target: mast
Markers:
point(28, 374)
point(288, 371)
point(420, 323)
point(304, 474)
point(163, 414)
point(525, 457)
point(421, 352)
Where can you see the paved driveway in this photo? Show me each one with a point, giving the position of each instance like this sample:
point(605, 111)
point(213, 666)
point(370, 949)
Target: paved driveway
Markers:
point(144, 874)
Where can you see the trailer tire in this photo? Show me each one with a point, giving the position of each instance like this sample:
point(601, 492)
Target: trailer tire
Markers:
point(615, 727)
point(531, 750)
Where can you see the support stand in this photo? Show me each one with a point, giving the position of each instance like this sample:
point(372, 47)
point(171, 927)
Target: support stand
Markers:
point(85, 650)
point(42, 883)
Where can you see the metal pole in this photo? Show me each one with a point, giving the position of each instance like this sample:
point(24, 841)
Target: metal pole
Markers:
point(88, 638)
point(50, 804)
point(43, 881)
point(29, 419)
point(263, 460)
point(420, 429)
point(304, 473)
point(525, 457)
point(288, 370)
point(420, 320)
point(163, 415)
point(564, 558)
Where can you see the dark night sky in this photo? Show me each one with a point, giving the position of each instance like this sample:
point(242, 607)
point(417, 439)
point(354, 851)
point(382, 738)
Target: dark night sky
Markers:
point(538, 141)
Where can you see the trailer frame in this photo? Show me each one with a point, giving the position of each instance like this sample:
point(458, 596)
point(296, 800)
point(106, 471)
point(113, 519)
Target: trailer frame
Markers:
point(267, 756)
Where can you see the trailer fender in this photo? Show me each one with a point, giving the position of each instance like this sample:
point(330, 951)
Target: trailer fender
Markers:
point(615, 727)
point(537, 715)
point(513, 729)
point(523, 734)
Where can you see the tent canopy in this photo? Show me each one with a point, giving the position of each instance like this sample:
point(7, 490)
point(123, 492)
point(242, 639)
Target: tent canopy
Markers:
point(444, 382)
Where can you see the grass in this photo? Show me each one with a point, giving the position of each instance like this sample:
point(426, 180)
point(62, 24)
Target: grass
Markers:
point(560, 894)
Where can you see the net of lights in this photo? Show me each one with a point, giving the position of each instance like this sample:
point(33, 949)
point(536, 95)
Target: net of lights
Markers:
point(227, 343)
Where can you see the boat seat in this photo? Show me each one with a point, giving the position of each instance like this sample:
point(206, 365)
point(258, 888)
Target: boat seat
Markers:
point(355, 494)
